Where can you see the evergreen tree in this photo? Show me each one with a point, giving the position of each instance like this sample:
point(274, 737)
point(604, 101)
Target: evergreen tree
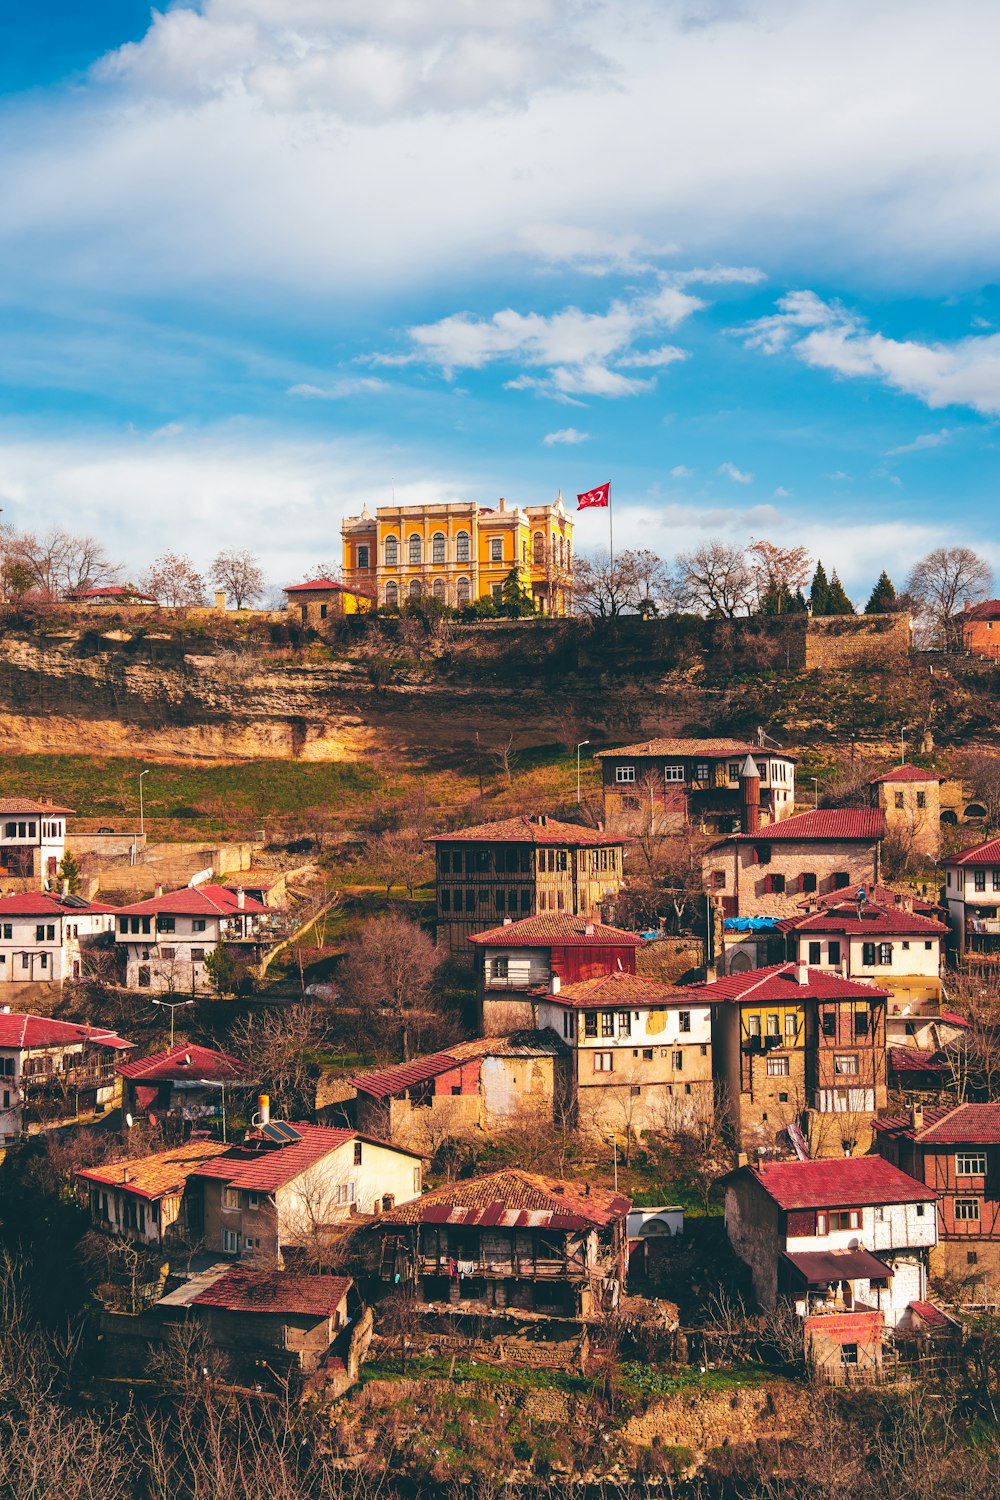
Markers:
point(220, 966)
point(515, 599)
point(883, 599)
point(837, 602)
point(819, 593)
point(69, 872)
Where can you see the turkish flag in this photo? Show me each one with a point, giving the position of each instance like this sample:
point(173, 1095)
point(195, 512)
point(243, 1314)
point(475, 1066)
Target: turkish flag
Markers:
point(601, 496)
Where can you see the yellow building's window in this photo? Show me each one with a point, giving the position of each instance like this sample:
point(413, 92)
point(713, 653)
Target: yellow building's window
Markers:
point(437, 547)
point(496, 549)
point(462, 547)
point(416, 547)
point(391, 552)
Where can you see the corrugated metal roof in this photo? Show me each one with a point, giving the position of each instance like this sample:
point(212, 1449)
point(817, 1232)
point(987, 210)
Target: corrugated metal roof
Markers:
point(818, 1267)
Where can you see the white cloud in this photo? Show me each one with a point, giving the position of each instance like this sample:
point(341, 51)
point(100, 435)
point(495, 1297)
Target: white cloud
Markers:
point(339, 390)
point(838, 474)
point(781, 493)
point(168, 430)
point(738, 476)
point(567, 435)
point(828, 336)
point(593, 252)
point(681, 471)
point(921, 443)
point(651, 359)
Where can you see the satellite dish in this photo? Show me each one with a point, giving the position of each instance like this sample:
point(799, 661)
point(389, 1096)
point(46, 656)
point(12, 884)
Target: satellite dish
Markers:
point(129, 1121)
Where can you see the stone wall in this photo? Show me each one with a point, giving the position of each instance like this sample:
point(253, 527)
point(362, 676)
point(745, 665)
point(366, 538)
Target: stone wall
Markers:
point(837, 643)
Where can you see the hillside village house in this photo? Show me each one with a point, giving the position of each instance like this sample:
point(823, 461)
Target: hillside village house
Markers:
point(767, 870)
point(45, 938)
point(518, 961)
point(641, 1051)
point(672, 782)
point(52, 1072)
point(142, 1199)
point(121, 594)
point(972, 896)
point(488, 1084)
point(181, 1085)
point(798, 1047)
point(322, 599)
point(955, 1150)
point(981, 629)
point(457, 552)
point(846, 1241)
point(909, 800)
point(520, 867)
point(166, 938)
point(32, 839)
point(510, 1240)
point(285, 1185)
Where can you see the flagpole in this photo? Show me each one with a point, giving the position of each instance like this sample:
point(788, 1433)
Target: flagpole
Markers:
point(611, 534)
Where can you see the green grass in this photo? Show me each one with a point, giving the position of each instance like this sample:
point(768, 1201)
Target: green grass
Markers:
point(438, 1367)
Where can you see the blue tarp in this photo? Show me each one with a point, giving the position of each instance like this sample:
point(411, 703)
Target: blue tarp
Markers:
point(750, 924)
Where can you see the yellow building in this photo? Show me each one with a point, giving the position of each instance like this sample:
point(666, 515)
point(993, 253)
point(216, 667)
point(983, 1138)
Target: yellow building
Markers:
point(458, 552)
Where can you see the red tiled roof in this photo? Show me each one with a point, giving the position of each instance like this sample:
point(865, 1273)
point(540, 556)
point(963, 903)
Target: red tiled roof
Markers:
point(19, 1031)
point(979, 854)
point(10, 805)
point(112, 591)
point(848, 1182)
point(323, 585)
point(512, 1198)
point(948, 1125)
point(619, 988)
point(915, 1060)
point(880, 895)
point(183, 1061)
point(245, 1291)
point(875, 919)
point(905, 773)
point(385, 1082)
point(261, 1167)
point(778, 983)
point(710, 749)
point(932, 1315)
point(865, 823)
point(196, 901)
point(45, 904)
point(988, 610)
point(530, 829)
point(553, 929)
point(156, 1176)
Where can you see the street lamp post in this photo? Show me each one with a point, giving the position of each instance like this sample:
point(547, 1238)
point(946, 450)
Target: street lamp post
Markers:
point(142, 815)
point(172, 1005)
point(578, 749)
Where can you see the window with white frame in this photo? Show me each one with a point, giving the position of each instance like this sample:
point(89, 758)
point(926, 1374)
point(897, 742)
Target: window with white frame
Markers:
point(625, 773)
point(462, 547)
point(845, 1063)
point(777, 1067)
point(673, 773)
point(230, 1241)
point(391, 551)
point(970, 1163)
point(604, 1062)
point(346, 1192)
point(437, 547)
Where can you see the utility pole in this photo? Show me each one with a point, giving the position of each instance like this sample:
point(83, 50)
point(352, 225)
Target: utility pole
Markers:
point(172, 1005)
point(578, 749)
point(142, 816)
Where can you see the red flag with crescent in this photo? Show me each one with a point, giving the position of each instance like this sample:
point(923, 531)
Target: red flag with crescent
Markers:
point(601, 497)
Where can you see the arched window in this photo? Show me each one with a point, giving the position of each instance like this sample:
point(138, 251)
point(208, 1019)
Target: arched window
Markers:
point(437, 547)
point(392, 552)
point(414, 588)
point(462, 547)
point(538, 549)
point(439, 590)
point(463, 592)
point(569, 547)
point(392, 594)
point(416, 548)
point(562, 552)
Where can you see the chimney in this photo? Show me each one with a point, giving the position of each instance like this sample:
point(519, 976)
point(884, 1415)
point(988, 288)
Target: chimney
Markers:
point(508, 921)
point(750, 783)
point(263, 1109)
point(64, 888)
point(802, 975)
point(742, 1160)
point(588, 930)
point(502, 504)
point(555, 984)
point(241, 899)
point(916, 1117)
point(124, 1174)
point(157, 892)
point(220, 598)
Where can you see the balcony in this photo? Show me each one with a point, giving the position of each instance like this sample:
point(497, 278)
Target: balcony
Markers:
point(983, 926)
point(516, 1267)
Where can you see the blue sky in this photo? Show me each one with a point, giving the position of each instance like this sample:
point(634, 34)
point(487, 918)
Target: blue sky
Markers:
point(262, 260)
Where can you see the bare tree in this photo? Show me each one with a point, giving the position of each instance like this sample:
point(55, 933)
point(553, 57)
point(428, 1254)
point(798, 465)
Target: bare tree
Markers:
point(60, 562)
point(174, 580)
point(778, 573)
point(240, 574)
point(275, 1045)
point(941, 583)
point(980, 771)
point(716, 578)
point(636, 582)
point(388, 972)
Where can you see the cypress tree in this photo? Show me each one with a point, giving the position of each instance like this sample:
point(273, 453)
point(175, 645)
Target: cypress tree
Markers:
point(883, 597)
point(819, 593)
point(837, 602)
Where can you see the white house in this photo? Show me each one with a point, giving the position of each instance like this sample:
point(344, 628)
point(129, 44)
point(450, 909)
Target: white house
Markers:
point(641, 1049)
point(44, 938)
point(54, 1071)
point(972, 895)
point(838, 1237)
point(32, 839)
point(167, 938)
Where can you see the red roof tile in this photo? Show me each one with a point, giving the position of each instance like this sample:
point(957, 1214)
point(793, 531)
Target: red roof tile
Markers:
point(386, 1082)
point(988, 610)
point(323, 585)
point(875, 920)
point(915, 1060)
point(530, 829)
point(552, 929)
point(779, 984)
point(161, 1174)
point(619, 988)
point(246, 1291)
point(528, 1198)
point(848, 1182)
point(905, 773)
point(821, 823)
point(711, 749)
point(20, 1031)
point(10, 805)
point(979, 854)
point(197, 901)
point(948, 1125)
point(114, 591)
point(881, 895)
point(45, 904)
point(183, 1061)
point(261, 1167)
